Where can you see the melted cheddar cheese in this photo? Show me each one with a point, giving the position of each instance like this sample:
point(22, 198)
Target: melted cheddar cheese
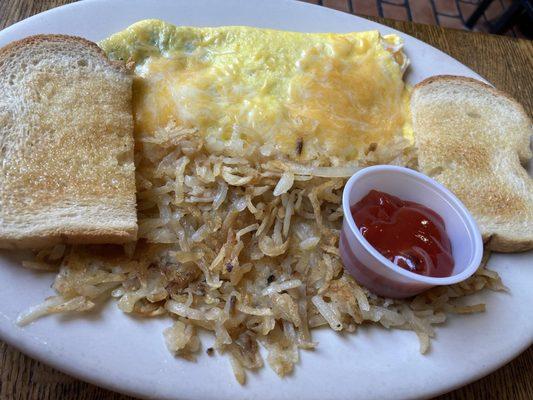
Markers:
point(327, 93)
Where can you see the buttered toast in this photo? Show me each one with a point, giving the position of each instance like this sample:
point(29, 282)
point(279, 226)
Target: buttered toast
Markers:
point(66, 145)
point(475, 140)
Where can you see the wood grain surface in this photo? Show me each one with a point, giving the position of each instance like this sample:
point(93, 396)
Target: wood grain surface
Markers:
point(507, 63)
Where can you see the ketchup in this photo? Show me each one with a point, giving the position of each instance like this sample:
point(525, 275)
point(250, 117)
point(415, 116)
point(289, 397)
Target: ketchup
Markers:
point(410, 235)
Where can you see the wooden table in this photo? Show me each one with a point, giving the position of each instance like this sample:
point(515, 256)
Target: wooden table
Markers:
point(507, 63)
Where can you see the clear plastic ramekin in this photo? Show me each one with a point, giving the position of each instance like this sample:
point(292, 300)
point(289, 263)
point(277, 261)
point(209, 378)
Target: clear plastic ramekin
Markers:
point(376, 272)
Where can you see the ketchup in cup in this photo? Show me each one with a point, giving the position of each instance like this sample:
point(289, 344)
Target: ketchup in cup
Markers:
point(407, 233)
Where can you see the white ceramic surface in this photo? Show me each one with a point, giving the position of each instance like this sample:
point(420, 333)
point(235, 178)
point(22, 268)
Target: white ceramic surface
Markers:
point(127, 354)
point(379, 274)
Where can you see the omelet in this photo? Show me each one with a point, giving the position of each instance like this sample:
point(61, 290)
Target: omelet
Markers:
point(302, 94)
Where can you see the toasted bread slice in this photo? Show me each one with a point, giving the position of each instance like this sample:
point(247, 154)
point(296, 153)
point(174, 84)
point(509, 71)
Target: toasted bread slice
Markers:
point(66, 145)
point(475, 140)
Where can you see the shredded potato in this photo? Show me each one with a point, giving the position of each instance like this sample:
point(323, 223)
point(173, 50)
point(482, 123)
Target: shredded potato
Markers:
point(245, 248)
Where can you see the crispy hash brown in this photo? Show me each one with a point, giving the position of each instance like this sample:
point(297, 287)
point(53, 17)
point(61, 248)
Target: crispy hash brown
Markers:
point(244, 247)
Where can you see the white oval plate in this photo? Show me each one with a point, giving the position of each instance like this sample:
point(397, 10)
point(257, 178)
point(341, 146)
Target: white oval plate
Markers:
point(128, 355)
